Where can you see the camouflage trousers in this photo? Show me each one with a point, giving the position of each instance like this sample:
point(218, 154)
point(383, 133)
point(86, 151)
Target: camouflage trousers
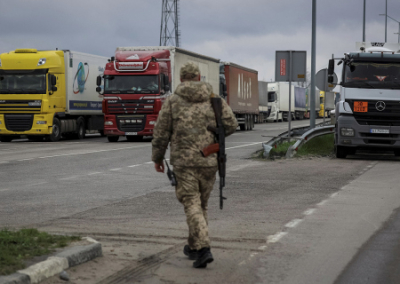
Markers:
point(194, 186)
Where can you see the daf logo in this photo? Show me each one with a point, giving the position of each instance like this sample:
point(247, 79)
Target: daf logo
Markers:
point(380, 106)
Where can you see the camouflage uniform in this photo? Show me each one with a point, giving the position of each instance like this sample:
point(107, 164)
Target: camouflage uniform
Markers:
point(183, 122)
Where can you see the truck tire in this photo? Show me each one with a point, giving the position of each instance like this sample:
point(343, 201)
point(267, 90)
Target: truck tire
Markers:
point(242, 127)
point(56, 133)
point(5, 138)
point(112, 138)
point(341, 152)
point(81, 129)
point(134, 138)
point(396, 152)
point(252, 122)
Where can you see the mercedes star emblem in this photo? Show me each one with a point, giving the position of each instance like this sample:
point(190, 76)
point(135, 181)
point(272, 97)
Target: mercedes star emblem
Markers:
point(380, 106)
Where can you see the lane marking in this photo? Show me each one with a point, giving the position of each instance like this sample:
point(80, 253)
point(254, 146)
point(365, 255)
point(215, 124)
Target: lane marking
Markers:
point(309, 211)
point(293, 223)
point(135, 166)
point(5, 189)
point(95, 173)
point(334, 194)
point(275, 238)
point(117, 169)
point(243, 145)
point(25, 160)
point(322, 202)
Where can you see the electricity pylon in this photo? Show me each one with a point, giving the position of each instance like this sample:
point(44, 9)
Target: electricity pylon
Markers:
point(169, 34)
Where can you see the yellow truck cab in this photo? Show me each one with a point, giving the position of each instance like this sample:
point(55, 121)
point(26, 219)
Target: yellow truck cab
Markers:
point(48, 94)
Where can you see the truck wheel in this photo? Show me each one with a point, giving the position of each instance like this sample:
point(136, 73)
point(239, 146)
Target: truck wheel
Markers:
point(397, 152)
point(5, 138)
point(112, 138)
point(56, 134)
point(341, 152)
point(242, 127)
point(252, 122)
point(81, 129)
point(134, 138)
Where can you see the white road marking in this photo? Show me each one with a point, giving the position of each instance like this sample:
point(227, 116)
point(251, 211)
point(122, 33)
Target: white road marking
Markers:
point(293, 223)
point(116, 169)
point(276, 238)
point(5, 189)
point(135, 166)
point(322, 202)
point(334, 194)
point(95, 173)
point(309, 211)
point(25, 160)
point(251, 144)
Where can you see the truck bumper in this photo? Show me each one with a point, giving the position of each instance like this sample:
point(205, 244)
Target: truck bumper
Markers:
point(273, 116)
point(113, 125)
point(366, 136)
point(26, 124)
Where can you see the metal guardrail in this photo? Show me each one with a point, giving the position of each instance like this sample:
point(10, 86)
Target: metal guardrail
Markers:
point(305, 134)
point(318, 131)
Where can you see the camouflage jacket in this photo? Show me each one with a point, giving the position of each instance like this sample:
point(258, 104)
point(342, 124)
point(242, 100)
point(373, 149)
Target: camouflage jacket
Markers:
point(183, 121)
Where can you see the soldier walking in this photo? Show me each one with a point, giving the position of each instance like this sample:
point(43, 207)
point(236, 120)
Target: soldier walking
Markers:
point(183, 122)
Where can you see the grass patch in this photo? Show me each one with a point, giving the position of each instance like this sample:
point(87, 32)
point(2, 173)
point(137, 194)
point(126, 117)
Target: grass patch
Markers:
point(321, 145)
point(281, 149)
point(17, 246)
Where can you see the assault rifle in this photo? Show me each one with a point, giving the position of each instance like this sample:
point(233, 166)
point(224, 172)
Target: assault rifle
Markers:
point(218, 147)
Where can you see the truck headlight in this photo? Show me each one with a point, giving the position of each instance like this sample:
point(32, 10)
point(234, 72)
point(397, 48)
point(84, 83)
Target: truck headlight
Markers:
point(347, 131)
point(153, 122)
point(108, 122)
point(41, 122)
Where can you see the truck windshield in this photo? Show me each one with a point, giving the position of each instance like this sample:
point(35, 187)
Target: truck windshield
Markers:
point(30, 83)
point(137, 84)
point(271, 97)
point(372, 75)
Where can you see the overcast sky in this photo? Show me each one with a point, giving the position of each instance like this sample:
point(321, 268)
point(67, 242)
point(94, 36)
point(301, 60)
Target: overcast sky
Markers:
point(246, 32)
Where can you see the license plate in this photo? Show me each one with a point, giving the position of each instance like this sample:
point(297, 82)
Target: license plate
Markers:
point(379, 131)
point(130, 133)
point(360, 106)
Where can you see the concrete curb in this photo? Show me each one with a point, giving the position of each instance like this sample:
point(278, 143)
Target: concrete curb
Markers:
point(55, 264)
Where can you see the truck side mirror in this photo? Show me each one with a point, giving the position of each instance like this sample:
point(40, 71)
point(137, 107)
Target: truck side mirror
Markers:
point(166, 80)
point(330, 78)
point(98, 81)
point(166, 88)
point(331, 66)
point(98, 89)
point(53, 88)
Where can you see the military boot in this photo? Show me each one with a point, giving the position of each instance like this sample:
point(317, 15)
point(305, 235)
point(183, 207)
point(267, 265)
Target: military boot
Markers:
point(191, 253)
point(204, 256)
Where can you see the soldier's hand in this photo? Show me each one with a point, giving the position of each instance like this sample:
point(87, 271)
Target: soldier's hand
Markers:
point(159, 167)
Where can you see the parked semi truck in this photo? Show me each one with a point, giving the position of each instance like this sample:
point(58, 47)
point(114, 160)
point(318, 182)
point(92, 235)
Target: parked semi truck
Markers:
point(368, 112)
point(49, 94)
point(263, 100)
point(138, 80)
point(241, 92)
point(278, 101)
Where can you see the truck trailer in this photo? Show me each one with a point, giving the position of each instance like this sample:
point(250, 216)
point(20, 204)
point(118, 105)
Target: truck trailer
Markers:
point(48, 94)
point(138, 80)
point(241, 93)
point(368, 112)
point(264, 108)
point(278, 101)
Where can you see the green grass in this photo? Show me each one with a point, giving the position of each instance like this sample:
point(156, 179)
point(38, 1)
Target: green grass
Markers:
point(281, 149)
point(321, 145)
point(17, 246)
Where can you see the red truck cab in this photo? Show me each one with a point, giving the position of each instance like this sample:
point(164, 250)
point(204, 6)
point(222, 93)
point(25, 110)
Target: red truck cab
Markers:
point(136, 83)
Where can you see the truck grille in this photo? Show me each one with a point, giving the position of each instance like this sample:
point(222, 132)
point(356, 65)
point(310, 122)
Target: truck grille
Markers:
point(131, 106)
point(131, 123)
point(18, 122)
point(390, 116)
point(20, 106)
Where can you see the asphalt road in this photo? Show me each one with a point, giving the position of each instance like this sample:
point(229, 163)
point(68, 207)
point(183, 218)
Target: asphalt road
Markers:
point(311, 220)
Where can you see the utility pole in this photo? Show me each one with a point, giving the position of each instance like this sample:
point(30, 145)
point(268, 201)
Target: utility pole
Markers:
point(169, 33)
point(364, 23)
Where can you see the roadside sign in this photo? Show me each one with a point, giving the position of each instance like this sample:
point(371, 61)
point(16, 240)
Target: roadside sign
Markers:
point(298, 62)
point(321, 81)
